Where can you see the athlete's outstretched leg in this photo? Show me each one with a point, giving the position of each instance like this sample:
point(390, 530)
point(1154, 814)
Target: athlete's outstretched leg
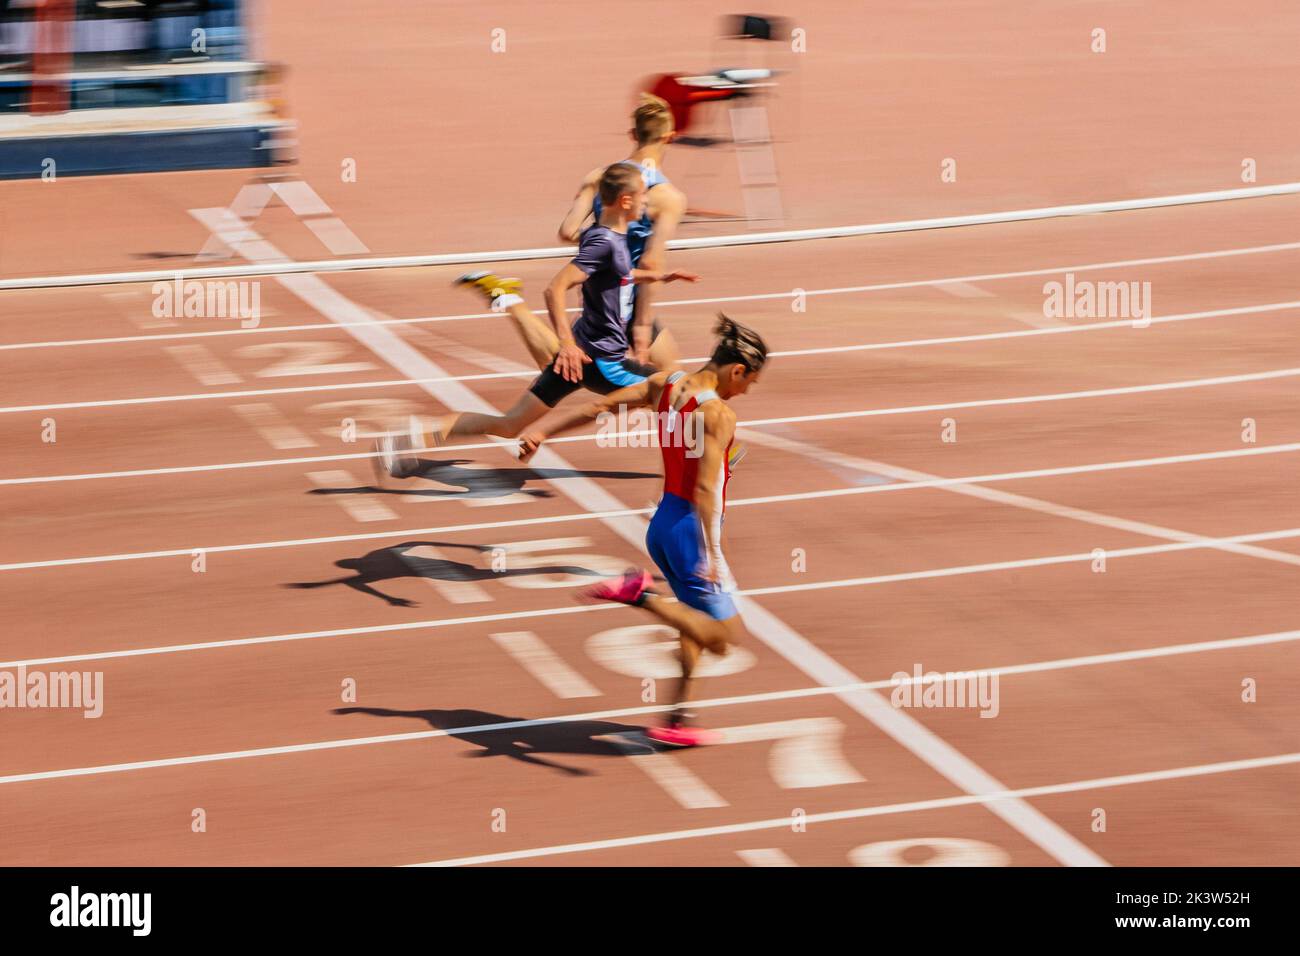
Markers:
point(503, 296)
point(664, 354)
point(395, 452)
point(708, 633)
point(528, 409)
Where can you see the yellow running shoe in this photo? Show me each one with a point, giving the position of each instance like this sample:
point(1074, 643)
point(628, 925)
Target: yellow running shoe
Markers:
point(491, 285)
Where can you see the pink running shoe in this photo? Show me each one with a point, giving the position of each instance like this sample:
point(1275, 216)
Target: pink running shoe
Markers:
point(631, 588)
point(679, 736)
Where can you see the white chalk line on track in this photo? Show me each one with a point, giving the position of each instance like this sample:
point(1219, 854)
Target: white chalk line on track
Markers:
point(942, 803)
point(880, 469)
point(1147, 653)
point(280, 265)
point(750, 423)
point(530, 373)
point(715, 300)
point(1030, 474)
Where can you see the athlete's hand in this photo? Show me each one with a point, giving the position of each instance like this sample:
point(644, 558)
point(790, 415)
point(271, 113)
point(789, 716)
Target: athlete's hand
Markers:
point(569, 362)
point(529, 442)
point(681, 274)
point(641, 335)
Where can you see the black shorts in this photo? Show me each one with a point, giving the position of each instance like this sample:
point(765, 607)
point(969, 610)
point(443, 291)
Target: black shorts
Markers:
point(601, 376)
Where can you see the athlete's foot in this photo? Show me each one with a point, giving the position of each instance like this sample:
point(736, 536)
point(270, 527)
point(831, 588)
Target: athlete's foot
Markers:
point(493, 287)
point(393, 454)
point(632, 588)
point(677, 732)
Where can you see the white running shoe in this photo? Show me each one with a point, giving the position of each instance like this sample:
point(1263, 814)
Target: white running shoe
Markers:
point(394, 455)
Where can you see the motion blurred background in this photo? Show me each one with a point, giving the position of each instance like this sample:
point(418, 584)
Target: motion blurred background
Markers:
point(467, 121)
point(129, 130)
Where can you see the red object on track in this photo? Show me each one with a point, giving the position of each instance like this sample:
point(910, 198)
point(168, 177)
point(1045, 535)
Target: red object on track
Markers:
point(682, 99)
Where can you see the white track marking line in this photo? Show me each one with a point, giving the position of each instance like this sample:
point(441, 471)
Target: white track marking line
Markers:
point(549, 669)
point(358, 456)
point(1006, 497)
point(271, 263)
point(768, 856)
point(360, 507)
point(273, 426)
point(738, 700)
point(202, 364)
point(1253, 640)
point(796, 649)
point(525, 373)
point(1039, 321)
point(1045, 561)
point(964, 290)
point(737, 503)
point(669, 773)
point(259, 330)
point(988, 799)
point(842, 290)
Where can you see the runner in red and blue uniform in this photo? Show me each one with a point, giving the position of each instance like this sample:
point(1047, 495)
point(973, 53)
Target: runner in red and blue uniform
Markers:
point(696, 429)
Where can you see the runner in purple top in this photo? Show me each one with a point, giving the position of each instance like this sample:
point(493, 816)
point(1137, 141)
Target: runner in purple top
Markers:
point(593, 353)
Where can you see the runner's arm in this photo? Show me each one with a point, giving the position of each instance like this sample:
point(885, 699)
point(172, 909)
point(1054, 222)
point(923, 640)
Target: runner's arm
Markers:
point(719, 428)
point(647, 276)
point(570, 359)
point(580, 211)
point(633, 396)
point(667, 204)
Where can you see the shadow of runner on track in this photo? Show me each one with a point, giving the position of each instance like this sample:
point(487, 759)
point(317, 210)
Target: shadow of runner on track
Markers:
point(524, 744)
point(480, 482)
point(391, 563)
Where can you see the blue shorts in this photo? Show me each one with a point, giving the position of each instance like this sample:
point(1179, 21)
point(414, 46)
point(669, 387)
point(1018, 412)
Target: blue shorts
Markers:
point(676, 544)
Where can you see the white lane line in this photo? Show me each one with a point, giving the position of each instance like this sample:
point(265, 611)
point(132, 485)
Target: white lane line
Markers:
point(869, 467)
point(273, 426)
point(666, 771)
point(262, 329)
point(964, 290)
point(767, 856)
point(841, 290)
point(202, 364)
point(274, 264)
point(526, 373)
point(1045, 561)
point(359, 507)
point(624, 512)
point(547, 667)
point(1038, 320)
point(988, 799)
point(737, 700)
